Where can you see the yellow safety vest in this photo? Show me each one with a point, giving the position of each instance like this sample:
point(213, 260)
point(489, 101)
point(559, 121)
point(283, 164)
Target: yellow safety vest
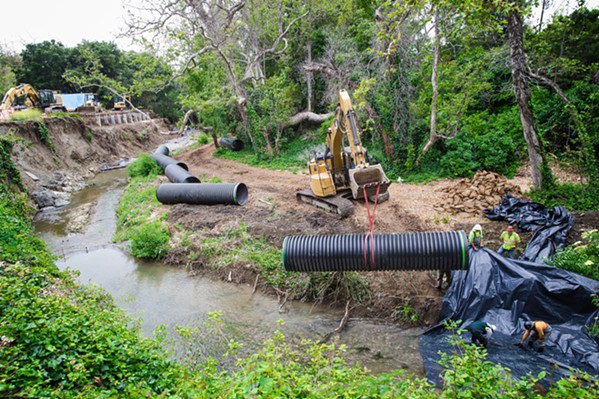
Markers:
point(509, 242)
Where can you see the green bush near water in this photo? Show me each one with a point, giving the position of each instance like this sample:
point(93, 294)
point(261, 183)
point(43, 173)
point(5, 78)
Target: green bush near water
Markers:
point(144, 166)
point(150, 241)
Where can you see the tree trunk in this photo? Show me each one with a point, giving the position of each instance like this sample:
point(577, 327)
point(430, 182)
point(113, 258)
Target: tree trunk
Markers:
point(309, 76)
point(432, 138)
point(522, 94)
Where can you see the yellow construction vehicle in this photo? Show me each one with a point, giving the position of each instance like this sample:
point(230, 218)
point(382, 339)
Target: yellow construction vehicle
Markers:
point(121, 103)
point(343, 172)
point(24, 96)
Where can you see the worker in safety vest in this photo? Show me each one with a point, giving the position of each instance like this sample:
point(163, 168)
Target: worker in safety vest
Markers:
point(536, 332)
point(510, 240)
point(475, 238)
point(481, 332)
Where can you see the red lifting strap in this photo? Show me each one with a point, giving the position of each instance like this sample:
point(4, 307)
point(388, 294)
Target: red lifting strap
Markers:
point(370, 234)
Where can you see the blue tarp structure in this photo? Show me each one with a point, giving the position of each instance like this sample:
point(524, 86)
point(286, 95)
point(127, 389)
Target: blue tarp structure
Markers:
point(72, 101)
point(508, 292)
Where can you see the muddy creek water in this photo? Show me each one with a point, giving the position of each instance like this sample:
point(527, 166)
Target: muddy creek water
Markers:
point(158, 294)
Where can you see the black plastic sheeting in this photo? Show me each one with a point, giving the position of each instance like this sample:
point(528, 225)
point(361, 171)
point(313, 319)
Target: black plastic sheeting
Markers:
point(550, 226)
point(507, 292)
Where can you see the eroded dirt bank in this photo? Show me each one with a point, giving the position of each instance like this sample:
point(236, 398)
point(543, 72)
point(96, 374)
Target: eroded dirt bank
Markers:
point(74, 153)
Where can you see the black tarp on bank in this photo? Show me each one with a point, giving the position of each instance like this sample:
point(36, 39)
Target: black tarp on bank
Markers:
point(508, 292)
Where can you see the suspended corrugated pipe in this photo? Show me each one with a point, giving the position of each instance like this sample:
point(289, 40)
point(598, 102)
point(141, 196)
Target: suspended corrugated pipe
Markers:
point(177, 174)
point(405, 251)
point(232, 143)
point(162, 149)
point(164, 161)
point(203, 194)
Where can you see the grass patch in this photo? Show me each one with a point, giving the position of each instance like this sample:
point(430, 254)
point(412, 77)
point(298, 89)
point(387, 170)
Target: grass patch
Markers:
point(32, 114)
point(294, 156)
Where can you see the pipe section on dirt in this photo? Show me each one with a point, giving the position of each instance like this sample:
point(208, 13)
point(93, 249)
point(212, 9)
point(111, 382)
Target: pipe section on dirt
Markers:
point(232, 143)
point(164, 161)
point(203, 194)
point(162, 149)
point(176, 174)
point(403, 251)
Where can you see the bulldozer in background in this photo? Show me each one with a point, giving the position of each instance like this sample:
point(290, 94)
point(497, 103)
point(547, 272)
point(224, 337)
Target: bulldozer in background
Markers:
point(343, 173)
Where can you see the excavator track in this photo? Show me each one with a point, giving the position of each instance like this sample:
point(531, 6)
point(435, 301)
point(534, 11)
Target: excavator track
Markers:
point(335, 204)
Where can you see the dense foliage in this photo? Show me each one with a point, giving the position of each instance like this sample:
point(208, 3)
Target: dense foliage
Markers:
point(247, 69)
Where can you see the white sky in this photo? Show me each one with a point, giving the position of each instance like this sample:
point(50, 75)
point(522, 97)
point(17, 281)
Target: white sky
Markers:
point(72, 21)
point(67, 21)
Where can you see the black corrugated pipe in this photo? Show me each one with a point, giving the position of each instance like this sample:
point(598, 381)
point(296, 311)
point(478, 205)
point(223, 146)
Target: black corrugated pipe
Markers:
point(203, 194)
point(162, 149)
point(232, 143)
point(177, 174)
point(405, 251)
point(164, 161)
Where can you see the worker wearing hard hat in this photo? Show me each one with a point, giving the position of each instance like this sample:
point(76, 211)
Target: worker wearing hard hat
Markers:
point(537, 333)
point(481, 332)
point(475, 238)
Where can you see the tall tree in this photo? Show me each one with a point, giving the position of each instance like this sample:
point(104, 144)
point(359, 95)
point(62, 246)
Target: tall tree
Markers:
point(43, 66)
point(522, 91)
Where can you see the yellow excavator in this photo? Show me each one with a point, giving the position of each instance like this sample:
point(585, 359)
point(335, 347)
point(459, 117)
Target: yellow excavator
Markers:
point(344, 173)
point(24, 96)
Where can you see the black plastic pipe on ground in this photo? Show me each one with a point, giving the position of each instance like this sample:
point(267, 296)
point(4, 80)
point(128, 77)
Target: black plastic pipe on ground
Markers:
point(232, 143)
point(164, 161)
point(404, 251)
point(177, 174)
point(202, 194)
point(162, 149)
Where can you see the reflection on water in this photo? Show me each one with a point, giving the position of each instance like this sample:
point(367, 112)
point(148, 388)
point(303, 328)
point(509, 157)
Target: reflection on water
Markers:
point(166, 295)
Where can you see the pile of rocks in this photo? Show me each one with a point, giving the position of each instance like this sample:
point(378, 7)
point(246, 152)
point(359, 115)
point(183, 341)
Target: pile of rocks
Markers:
point(482, 191)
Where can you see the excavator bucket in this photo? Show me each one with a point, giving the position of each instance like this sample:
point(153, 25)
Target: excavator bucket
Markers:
point(369, 178)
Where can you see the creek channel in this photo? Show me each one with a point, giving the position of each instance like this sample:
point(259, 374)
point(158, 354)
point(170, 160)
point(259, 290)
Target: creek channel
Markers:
point(162, 295)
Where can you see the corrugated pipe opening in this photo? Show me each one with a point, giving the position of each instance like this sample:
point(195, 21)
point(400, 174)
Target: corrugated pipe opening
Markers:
point(203, 194)
point(358, 252)
point(162, 149)
point(232, 143)
point(177, 174)
point(164, 161)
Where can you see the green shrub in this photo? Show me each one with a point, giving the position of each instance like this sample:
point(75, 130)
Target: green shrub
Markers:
point(204, 139)
point(150, 241)
point(459, 160)
point(576, 197)
point(582, 257)
point(144, 166)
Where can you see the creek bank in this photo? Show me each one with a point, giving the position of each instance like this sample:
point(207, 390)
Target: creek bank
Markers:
point(72, 151)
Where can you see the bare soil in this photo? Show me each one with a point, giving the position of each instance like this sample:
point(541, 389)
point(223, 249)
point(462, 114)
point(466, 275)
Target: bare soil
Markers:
point(274, 213)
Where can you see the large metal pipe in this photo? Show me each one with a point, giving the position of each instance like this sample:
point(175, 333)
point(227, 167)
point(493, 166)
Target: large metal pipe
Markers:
point(177, 174)
point(162, 149)
point(405, 251)
point(164, 161)
point(232, 143)
point(202, 194)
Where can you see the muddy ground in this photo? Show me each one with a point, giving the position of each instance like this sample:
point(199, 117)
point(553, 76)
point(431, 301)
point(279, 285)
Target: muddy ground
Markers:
point(274, 213)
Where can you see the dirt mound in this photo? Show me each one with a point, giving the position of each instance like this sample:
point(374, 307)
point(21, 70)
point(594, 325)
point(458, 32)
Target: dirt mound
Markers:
point(475, 194)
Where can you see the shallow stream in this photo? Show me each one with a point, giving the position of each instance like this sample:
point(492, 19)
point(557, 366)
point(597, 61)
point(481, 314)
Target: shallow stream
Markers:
point(158, 294)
